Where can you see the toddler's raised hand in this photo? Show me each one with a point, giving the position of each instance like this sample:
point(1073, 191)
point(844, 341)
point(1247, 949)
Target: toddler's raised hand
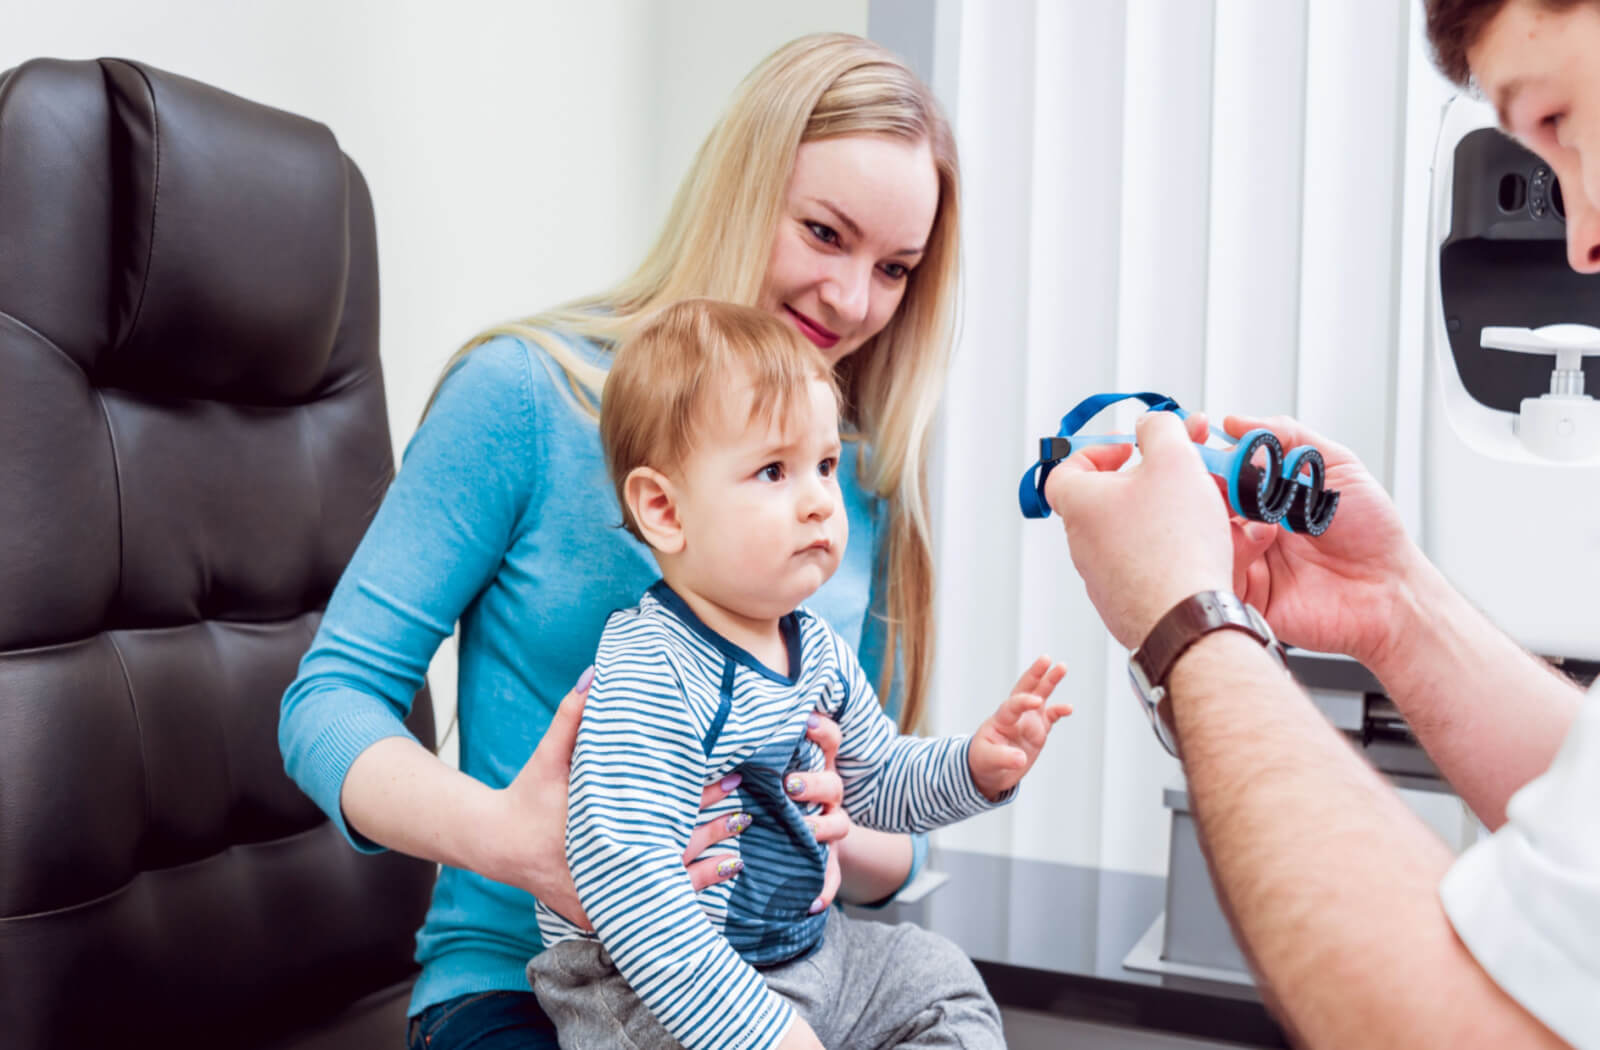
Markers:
point(1005, 746)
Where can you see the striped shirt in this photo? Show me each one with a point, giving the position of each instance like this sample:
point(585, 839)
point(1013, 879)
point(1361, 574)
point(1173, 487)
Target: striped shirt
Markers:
point(675, 707)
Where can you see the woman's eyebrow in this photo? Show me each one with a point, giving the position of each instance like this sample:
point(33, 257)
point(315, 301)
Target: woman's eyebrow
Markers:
point(838, 213)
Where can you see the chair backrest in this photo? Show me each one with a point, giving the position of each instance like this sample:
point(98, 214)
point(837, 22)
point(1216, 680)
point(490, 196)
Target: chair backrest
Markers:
point(193, 438)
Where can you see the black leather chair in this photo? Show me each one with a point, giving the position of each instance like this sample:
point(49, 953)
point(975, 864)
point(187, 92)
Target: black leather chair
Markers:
point(193, 437)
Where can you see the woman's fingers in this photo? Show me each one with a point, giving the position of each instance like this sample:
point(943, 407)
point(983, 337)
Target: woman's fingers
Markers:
point(712, 870)
point(714, 793)
point(831, 877)
point(713, 831)
point(823, 787)
point(830, 825)
point(554, 753)
point(826, 734)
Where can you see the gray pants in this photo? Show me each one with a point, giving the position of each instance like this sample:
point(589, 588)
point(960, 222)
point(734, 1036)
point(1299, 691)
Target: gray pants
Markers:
point(867, 986)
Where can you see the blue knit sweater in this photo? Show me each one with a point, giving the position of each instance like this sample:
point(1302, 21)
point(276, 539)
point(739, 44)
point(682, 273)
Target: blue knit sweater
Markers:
point(503, 517)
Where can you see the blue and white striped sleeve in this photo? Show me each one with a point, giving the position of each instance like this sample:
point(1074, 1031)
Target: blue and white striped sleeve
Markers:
point(634, 795)
point(894, 782)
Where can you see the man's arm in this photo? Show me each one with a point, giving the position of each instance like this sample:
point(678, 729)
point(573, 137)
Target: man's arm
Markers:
point(1489, 714)
point(1330, 881)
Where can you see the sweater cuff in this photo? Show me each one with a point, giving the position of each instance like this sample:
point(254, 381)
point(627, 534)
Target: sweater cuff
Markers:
point(972, 800)
point(326, 762)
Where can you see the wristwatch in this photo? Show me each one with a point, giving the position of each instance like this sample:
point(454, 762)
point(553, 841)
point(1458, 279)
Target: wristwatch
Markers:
point(1183, 625)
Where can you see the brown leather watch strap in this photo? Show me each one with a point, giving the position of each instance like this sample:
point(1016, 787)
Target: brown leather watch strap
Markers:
point(1189, 621)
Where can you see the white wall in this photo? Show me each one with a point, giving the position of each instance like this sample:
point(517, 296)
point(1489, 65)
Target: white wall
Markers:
point(519, 153)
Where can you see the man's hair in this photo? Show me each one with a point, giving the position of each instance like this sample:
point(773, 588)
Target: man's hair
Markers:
point(680, 365)
point(1455, 25)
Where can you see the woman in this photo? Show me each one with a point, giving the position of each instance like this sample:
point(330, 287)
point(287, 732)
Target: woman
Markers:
point(827, 194)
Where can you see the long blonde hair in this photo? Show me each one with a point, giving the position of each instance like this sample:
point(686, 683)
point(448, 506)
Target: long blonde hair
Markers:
point(716, 243)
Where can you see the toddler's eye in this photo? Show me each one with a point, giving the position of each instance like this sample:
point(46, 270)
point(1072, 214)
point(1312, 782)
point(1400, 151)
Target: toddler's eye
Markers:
point(771, 472)
point(828, 466)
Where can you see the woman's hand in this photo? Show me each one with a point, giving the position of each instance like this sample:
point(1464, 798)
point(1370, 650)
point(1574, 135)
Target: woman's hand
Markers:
point(824, 787)
point(532, 821)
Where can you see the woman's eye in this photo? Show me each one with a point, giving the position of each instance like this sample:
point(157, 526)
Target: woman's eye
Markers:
point(825, 234)
point(1553, 122)
point(827, 467)
point(895, 271)
point(771, 472)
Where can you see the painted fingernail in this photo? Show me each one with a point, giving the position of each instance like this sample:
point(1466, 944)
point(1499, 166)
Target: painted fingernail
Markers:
point(731, 781)
point(731, 866)
point(813, 721)
point(816, 906)
point(737, 822)
point(795, 784)
point(585, 680)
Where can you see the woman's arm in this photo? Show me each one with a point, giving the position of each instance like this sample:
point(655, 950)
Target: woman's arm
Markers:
point(400, 794)
point(437, 540)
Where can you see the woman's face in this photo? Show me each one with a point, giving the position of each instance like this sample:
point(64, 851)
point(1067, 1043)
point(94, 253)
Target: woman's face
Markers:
point(854, 224)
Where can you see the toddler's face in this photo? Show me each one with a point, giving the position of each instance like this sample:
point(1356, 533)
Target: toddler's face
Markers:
point(763, 520)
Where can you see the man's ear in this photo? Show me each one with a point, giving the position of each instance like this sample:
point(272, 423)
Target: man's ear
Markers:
point(652, 503)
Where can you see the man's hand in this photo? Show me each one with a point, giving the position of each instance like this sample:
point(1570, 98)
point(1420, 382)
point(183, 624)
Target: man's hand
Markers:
point(1335, 592)
point(1147, 538)
point(1005, 746)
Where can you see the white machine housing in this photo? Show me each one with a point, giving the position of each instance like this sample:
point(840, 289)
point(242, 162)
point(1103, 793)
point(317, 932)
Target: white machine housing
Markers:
point(1511, 495)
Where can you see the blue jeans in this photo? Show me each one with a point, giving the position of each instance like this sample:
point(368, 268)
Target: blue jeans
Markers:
point(483, 1021)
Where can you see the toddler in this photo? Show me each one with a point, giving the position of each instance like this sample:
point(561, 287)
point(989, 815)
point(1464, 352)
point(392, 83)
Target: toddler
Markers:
point(721, 430)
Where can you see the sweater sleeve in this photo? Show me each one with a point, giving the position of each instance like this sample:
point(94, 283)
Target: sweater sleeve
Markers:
point(634, 797)
point(438, 538)
point(894, 782)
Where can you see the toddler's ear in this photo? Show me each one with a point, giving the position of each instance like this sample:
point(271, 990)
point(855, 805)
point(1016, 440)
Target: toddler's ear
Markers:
point(652, 504)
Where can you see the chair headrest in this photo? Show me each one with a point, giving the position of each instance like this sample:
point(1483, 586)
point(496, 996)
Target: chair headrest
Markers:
point(224, 275)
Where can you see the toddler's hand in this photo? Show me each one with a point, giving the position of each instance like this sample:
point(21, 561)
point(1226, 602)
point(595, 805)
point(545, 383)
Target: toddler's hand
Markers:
point(1005, 746)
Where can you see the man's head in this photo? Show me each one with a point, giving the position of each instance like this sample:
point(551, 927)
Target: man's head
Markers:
point(720, 426)
point(1538, 62)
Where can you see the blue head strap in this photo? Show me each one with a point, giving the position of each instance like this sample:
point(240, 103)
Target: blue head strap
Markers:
point(1030, 493)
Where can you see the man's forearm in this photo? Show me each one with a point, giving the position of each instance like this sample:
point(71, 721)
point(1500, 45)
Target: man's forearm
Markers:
point(1490, 715)
point(1330, 880)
